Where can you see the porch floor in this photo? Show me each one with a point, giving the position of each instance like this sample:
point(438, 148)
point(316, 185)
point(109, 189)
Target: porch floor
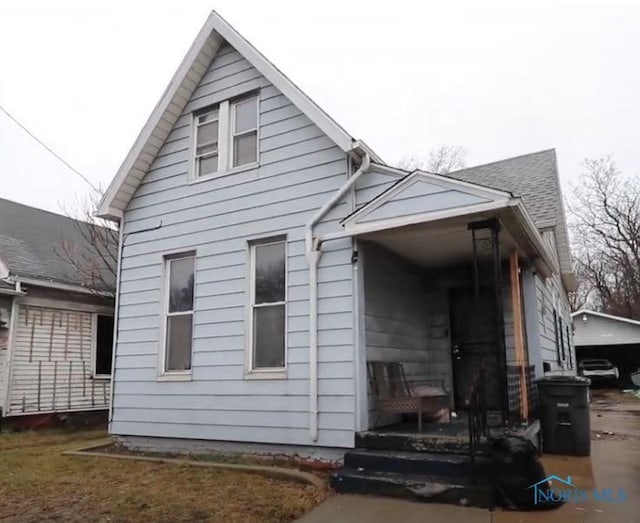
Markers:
point(457, 429)
point(435, 437)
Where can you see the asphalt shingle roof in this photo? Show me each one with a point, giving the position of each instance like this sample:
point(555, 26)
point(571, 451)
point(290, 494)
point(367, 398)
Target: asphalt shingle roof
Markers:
point(33, 242)
point(534, 178)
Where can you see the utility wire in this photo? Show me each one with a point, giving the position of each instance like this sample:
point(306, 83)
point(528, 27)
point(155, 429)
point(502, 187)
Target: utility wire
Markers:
point(48, 148)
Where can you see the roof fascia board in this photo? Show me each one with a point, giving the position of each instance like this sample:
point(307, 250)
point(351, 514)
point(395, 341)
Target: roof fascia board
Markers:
point(12, 292)
point(216, 24)
point(473, 188)
point(361, 149)
point(401, 221)
point(60, 286)
point(329, 126)
point(446, 183)
point(105, 209)
point(607, 316)
point(387, 169)
point(532, 232)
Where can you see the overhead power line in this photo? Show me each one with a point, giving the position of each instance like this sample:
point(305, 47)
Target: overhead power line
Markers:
point(51, 151)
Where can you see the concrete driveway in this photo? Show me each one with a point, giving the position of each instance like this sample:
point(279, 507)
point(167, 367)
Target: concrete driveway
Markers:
point(614, 464)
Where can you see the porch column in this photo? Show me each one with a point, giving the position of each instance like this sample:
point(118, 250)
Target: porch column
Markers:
point(518, 331)
point(532, 320)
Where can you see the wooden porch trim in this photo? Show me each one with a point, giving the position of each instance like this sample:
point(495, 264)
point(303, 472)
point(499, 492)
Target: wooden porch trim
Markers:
point(518, 330)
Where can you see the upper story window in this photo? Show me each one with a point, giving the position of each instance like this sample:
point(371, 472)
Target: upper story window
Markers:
point(244, 118)
point(226, 137)
point(207, 131)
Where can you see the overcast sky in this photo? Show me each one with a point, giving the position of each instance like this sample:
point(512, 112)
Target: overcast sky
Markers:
point(500, 79)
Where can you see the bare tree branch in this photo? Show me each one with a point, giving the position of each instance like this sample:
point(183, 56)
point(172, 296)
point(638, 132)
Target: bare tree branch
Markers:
point(605, 215)
point(442, 160)
point(93, 250)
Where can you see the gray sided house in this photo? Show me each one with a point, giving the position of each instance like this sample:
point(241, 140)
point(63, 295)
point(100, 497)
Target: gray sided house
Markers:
point(56, 313)
point(267, 257)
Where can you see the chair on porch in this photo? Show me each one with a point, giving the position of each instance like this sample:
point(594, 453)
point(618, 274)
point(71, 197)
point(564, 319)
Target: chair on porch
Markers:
point(394, 394)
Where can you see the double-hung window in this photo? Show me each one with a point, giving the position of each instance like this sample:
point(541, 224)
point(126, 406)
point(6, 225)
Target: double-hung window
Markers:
point(178, 312)
point(268, 305)
point(244, 131)
point(226, 136)
point(207, 139)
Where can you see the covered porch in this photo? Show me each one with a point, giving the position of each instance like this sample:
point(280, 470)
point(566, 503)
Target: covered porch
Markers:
point(441, 282)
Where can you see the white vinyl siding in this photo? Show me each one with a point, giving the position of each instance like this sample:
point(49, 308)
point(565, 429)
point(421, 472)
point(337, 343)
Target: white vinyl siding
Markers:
point(299, 169)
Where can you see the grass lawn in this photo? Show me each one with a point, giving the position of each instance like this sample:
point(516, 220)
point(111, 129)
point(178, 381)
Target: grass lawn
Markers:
point(38, 483)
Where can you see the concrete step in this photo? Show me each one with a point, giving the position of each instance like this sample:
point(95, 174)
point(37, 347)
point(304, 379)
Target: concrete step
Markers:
point(417, 487)
point(413, 442)
point(405, 462)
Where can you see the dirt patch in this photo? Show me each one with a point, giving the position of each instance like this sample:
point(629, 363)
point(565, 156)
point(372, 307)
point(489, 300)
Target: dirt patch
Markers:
point(38, 483)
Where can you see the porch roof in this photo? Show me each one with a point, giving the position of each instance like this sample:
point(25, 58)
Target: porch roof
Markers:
point(423, 215)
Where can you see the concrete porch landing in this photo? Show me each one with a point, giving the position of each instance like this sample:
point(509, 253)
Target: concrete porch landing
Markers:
point(614, 464)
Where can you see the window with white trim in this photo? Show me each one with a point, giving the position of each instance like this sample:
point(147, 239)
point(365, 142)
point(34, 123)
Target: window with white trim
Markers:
point(226, 136)
point(244, 131)
point(178, 312)
point(268, 304)
point(207, 131)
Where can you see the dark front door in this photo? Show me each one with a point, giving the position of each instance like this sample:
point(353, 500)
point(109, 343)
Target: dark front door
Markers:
point(474, 343)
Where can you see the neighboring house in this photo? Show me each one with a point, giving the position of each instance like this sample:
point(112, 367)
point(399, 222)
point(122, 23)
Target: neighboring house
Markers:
point(56, 324)
point(268, 255)
point(617, 339)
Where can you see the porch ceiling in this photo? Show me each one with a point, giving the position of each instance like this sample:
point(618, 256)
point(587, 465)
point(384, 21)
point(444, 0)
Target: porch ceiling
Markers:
point(448, 242)
point(433, 245)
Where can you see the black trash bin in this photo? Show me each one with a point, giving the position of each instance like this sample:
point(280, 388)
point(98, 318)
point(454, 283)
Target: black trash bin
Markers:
point(564, 415)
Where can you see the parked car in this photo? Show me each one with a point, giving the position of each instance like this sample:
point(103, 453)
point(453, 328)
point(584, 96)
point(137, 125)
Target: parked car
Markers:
point(598, 369)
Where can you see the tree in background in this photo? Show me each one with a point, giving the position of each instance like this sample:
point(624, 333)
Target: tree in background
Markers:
point(605, 211)
point(92, 250)
point(442, 160)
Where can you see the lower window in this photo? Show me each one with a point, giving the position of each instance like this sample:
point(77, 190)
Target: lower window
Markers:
point(179, 283)
point(268, 304)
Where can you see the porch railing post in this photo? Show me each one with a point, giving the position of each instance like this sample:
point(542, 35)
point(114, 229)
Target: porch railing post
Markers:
point(502, 349)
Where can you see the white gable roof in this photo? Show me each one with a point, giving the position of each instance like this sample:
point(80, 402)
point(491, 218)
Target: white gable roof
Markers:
point(422, 196)
point(172, 103)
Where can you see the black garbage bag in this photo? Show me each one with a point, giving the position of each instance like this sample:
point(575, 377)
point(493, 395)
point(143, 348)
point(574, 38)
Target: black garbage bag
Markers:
point(518, 473)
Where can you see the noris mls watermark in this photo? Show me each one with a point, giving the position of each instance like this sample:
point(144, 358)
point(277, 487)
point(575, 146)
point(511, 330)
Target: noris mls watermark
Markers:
point(554, 488)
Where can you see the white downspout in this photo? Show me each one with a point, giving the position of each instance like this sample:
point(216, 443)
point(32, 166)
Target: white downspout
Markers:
point(313, 252)
point(116, 315)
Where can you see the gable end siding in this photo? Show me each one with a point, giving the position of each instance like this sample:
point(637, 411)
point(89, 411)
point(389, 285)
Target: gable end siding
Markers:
point(300, 168)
